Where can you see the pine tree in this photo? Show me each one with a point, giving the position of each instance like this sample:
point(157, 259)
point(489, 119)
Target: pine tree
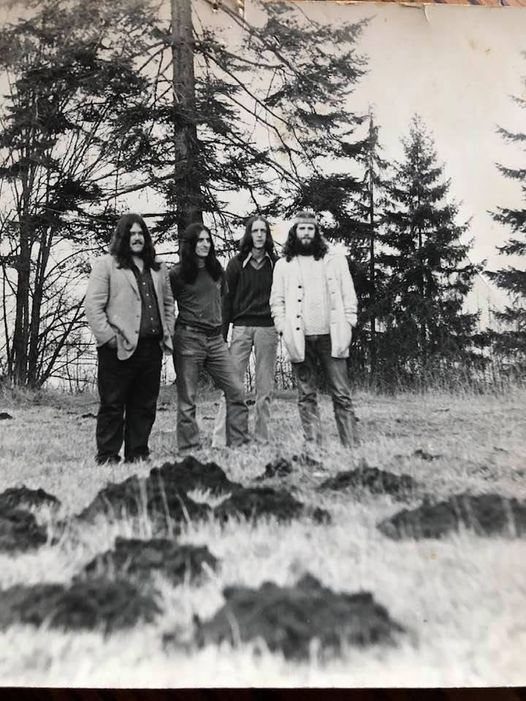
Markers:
point(363, 238)
point(427, 266)
point(512, 340)
point(70, 74)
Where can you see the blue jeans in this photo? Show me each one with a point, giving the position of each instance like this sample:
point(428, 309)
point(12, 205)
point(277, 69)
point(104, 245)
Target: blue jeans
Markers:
point(264, 341)
point(339, 388)
point(194, 350)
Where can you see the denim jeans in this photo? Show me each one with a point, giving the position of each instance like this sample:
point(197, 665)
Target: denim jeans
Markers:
point(339, 388)
point(264, 341)
point(128, 392)
point(194, 350)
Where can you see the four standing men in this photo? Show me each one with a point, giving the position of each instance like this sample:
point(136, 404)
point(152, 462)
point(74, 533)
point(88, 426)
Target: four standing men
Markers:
point(308, 297)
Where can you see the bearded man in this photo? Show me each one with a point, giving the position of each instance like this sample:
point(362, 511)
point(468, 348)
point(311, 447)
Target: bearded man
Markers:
point(130, 309)
point(314, 308)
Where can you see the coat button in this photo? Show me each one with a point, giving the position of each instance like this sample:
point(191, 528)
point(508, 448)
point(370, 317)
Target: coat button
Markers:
point(299, 286)
point(298, 328)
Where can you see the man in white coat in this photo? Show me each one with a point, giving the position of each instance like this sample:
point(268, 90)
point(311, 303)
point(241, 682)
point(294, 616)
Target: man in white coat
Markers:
point(314, 308)
point(130, 309)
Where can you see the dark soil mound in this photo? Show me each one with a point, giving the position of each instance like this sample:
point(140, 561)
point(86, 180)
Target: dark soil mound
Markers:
point(373, 480)
point(289, 619)
point(4, 416)
point(485, 514)
point(261, 502)
point(280, 467)
point(19, 531)
point(191, 474)
point(160, 500)
point(142, 558)
point(84, 605)
point(15, 497)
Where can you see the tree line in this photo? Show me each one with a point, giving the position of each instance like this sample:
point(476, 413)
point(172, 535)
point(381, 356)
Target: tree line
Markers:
point(109, 100)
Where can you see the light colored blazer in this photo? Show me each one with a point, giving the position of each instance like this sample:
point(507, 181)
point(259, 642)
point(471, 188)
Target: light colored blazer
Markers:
point(113, 305)
point(286, 305)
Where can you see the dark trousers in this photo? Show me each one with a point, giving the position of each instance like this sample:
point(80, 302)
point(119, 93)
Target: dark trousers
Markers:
point(128, 392)
point(339, 388)
point(194, 350)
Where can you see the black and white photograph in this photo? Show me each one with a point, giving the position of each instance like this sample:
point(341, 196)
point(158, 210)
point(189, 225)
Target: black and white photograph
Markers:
point(262, 344)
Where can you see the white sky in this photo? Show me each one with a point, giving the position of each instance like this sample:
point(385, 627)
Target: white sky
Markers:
point(457, 67)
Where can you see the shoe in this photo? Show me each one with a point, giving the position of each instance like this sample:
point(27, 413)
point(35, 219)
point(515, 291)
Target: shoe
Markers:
point(107, 459)
point(137, 458)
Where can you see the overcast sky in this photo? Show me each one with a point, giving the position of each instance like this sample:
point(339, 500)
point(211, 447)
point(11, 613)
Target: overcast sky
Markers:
point(457, 67)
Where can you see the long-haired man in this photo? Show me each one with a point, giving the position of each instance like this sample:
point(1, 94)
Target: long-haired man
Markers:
point(314, 307)
point(130, 309)
point(198, 286)
point(247, 307)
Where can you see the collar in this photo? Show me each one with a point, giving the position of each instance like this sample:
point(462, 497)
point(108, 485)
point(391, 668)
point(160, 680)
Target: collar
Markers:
point(244, 263)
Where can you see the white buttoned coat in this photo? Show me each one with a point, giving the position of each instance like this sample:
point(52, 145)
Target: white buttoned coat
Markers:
point(113, 305)
point(286, 300)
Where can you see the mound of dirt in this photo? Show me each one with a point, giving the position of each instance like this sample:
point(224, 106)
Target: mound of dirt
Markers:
point(290, 619)
point(139, 559)
point(191, 474)
point(261, 502)
point(372, 480)
point(280, 467)
point(19, 531)
point(87, 605)
point(485, 514)
point(161, 501)
point(15, 497)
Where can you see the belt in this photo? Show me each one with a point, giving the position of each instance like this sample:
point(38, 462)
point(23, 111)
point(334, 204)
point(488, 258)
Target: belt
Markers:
point(206, 332)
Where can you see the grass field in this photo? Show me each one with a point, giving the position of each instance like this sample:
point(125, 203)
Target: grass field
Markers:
point(462, 598)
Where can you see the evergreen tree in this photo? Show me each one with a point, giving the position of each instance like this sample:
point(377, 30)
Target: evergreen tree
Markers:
point(427, 267)
point(71, 76)
point(258, 124)
point(363, 239)
point(512, 340)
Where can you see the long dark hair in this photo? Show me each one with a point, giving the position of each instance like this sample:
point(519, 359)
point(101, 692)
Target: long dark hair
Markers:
point(120, 242)
point(246, 243)
point(319, 245)
point(188, 255)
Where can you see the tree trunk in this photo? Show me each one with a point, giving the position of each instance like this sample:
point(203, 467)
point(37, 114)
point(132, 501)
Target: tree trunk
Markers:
point(372, 268)
point(187, 192)
point(21, 330)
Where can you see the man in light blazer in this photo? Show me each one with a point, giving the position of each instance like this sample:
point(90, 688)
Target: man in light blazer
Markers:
point(314, 307)
point(130, 309)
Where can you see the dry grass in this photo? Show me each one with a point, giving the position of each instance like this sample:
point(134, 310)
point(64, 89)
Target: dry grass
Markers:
point(462, 599)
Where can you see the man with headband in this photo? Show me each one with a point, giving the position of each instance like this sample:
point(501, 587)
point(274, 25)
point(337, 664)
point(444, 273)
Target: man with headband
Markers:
point(314, 307)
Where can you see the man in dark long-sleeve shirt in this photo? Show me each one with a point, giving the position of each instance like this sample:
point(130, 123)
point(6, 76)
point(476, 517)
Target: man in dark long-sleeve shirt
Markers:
point(198, 284)
point(246, 306)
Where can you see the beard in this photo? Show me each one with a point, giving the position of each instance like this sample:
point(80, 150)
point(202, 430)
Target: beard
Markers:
point(304, 249)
